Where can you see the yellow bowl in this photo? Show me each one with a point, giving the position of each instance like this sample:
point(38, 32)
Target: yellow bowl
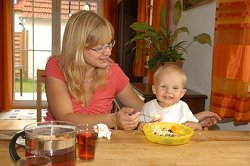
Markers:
point(184, 133)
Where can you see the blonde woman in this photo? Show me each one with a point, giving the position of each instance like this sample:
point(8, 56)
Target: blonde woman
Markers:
point(82, 81)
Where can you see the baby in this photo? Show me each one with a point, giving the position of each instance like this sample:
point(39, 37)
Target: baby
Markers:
point(169, 88)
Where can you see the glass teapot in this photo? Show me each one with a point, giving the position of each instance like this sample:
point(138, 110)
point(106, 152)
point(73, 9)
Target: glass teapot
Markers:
point(54, 139)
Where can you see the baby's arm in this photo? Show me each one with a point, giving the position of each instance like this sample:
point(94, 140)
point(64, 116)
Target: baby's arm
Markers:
point(193, 125)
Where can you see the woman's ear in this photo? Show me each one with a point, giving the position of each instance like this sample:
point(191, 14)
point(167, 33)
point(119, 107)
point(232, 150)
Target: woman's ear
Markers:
point(153, 89)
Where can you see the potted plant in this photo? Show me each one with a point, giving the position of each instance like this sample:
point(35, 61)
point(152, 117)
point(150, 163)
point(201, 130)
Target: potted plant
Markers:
point(161, 43)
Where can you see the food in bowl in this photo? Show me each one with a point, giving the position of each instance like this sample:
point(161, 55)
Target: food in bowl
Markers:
point(181, 133)
point(156, 118)
point(164, 132)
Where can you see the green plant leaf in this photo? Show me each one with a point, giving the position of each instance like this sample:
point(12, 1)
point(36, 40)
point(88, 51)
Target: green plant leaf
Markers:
point(132, 51)
point(137, 37)
point(163, 15)
point(177, 11)
point(140, 26)
point(183, 29)
point(177, 31)
point(152, 62)
point(203, 39)
point(153, 34)
point(139, 52)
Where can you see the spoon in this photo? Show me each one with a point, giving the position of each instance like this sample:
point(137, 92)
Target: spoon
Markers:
point(153, 118)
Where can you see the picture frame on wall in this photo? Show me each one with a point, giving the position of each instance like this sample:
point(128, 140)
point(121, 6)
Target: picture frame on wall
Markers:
point(189, 4)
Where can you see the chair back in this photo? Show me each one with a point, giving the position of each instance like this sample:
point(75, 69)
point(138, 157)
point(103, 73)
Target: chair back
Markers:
point(40, 82)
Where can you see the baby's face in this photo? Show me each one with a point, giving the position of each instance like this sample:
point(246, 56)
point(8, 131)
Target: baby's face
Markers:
point(168, 89)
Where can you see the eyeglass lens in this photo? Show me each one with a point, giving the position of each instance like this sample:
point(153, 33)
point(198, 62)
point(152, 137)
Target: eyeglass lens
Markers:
point(104, 47)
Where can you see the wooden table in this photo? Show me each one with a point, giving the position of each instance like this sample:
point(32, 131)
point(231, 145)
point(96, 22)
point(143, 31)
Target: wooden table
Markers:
point(195, 100)
point(14, 125)
point(131, 148)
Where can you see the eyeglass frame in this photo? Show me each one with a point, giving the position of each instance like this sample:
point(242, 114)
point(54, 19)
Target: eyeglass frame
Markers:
point(104, 47)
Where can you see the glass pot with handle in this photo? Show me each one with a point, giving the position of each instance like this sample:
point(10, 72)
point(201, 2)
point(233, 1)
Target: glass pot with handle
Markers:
point(54, 139)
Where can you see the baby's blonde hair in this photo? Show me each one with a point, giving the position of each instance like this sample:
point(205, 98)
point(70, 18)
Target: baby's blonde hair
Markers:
point(169, 69)
point(83, 29)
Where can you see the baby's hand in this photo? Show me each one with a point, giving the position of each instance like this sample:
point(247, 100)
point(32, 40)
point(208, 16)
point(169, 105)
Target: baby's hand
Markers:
point(140, 125)
point(193, 125)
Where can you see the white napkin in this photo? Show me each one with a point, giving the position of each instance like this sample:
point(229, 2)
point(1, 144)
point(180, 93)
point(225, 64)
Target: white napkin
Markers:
point(103, 131)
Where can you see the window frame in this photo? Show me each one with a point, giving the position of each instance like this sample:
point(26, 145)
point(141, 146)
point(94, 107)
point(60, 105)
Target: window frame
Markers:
point(55, 47)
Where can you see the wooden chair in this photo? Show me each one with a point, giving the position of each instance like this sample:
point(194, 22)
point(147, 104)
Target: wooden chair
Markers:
point(116, 105)
point(39, 103)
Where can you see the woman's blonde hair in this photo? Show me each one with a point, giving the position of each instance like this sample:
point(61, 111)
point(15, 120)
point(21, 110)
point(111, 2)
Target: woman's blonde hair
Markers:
point(169, 69)
point(83, 29)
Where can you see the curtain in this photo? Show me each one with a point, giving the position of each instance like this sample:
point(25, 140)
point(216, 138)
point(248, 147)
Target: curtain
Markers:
point(6, 60)
point(110, 12)
point(143, 16)
point(231, 61)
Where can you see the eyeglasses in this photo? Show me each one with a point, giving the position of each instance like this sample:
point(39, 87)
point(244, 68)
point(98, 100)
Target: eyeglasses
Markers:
point(104, 47)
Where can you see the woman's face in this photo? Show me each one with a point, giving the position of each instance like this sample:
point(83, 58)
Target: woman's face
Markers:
point(98, 56)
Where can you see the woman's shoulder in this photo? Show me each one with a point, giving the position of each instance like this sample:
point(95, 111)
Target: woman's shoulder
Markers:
point(115, 69)
point(117, 77)
point(53, 60)
point(53, 68)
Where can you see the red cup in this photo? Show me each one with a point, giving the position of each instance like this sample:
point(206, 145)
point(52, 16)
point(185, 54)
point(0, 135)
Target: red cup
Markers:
point(87, 137)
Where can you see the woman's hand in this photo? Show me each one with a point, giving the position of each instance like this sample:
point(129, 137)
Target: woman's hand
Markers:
point(207, 118)
point(125, 119)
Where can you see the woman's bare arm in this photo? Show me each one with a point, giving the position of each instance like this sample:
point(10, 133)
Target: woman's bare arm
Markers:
point(130, 99)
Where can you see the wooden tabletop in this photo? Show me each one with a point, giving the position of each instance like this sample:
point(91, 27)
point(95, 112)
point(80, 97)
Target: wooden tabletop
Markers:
point(14, 125)
point(131, 148)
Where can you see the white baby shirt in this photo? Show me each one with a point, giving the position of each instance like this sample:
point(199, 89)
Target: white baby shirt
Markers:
point(177, 113)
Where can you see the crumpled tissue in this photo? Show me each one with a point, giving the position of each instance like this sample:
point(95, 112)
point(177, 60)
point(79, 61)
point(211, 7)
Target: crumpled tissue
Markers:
point(103, 131)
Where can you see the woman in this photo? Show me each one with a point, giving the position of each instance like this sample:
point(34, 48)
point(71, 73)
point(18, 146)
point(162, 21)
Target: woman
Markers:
point(82, 81)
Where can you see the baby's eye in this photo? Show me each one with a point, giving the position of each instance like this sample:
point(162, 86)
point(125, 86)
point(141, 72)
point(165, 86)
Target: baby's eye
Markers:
point(175, 88)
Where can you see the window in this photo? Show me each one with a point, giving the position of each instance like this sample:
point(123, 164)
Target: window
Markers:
point(39, 25)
